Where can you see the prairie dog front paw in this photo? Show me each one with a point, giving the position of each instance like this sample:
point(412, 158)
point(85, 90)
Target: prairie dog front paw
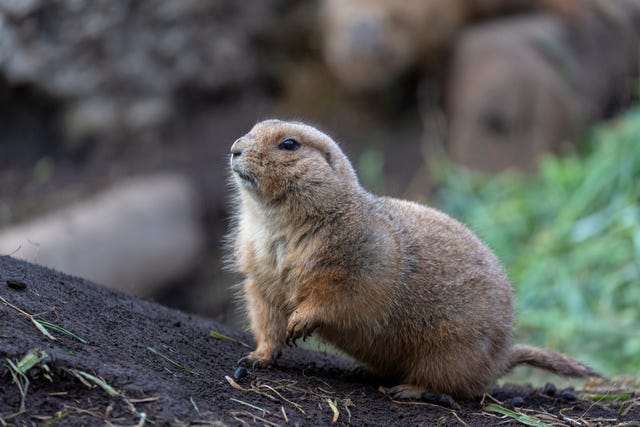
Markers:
point(260, 358)
point(299, 326)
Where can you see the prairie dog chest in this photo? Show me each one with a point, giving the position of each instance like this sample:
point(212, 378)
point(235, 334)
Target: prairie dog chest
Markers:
point(264, 255)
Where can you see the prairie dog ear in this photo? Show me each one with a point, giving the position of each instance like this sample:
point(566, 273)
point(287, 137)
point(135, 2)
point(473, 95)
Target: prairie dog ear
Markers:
point(329, 158)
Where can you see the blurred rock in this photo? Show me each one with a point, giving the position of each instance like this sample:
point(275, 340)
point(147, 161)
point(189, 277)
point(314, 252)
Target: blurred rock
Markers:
point(523, 86)
point(136, 236)
point(124, 60)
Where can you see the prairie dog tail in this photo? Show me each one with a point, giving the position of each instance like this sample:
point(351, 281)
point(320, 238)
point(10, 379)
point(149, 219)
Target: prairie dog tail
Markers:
point(550, 361)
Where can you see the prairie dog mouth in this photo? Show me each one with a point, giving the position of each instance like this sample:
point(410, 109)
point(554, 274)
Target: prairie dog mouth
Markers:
point(245, 176)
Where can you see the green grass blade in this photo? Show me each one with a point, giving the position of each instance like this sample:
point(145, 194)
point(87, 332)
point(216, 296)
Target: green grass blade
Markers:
point(42, 329)
point(219, 336)
point(21, 381)
point(173, 362)
point(60, 329)
point(30, 360)
point(521, 418)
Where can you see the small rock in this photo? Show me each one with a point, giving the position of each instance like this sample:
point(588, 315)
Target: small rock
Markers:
point(17, 285)
point(568, 395)
point(239, 373)
point(517, 401)
point(549, 389)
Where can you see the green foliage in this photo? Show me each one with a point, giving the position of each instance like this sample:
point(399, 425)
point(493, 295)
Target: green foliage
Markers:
point(570, 239)
point(370, 167)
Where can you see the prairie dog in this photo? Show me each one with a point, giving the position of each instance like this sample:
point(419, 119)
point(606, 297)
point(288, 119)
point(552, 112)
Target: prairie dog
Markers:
point(368, 44)
point(408, 291)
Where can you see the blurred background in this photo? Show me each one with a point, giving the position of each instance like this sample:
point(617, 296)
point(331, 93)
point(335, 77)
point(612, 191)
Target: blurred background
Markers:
point(517, 117)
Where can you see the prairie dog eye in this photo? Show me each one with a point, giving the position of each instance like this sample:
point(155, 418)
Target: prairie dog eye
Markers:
point(289, 145)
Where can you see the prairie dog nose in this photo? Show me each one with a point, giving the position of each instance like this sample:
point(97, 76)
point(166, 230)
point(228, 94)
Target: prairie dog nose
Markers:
point(238, 147)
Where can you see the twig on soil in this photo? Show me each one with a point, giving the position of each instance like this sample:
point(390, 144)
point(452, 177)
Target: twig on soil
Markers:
point(628, 396)
point(291, 386)
point(264, 411)
point(219, 336)
point(334, 409)
point(284, 414)
point(626, 406)
point(460, 420)
point(253, 388)
point(259, 390)
point(76, 410)
point(274, 390)
point(96, 380)
point(234, 384)
point(432, 405)
point(143, 420)
point(145, 399)
point(384, 390)
point(108, 410)
point(82, 411)
point(346, 403)
point(11, 416)
point(443, 419)
point(83, 377)
point(294, 404)
point(173, 362)
point(194, 405)
point(58, 393)
point(254, 417)
point(571, 421)
point(584, 414)
point(623, 389)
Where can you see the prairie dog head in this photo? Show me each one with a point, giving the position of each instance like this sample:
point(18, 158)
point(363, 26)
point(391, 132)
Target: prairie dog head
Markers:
point(369, 43)
point(278, 161)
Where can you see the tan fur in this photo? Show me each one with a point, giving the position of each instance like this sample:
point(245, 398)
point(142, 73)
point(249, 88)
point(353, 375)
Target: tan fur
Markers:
point(405, 289)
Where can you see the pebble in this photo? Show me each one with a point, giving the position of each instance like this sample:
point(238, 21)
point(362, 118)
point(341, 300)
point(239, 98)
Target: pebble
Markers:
point(239, 373)
point(16, 284)
point(549, 389)
point(568, 395)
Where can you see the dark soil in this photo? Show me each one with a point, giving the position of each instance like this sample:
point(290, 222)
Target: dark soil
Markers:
point(120, 330)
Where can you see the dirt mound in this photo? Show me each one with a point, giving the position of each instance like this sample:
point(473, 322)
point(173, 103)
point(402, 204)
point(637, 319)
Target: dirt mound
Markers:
point(133, 362)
